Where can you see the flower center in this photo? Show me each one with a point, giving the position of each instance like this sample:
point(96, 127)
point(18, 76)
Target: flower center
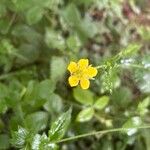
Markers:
point(80, 73)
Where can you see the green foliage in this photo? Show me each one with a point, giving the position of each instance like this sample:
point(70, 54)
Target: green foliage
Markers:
point(85, 115)
point(130, 50)
point(83, 96)
point(36, 121)
point(59, 127)
point(132, 123)
point(31, 140)
point(54, 104)
point(19, 137)
point(38, 39)
point(142, 106)
point(57, 72)
point(4, 141)
point(101, 102)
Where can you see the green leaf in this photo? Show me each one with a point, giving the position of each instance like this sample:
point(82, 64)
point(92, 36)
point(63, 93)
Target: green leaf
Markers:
point(71, 15)
point(36, 121)
point(54, 39)
point(102, 102)
point(23, 31)
point(85, 97)
point(42, 142)
point(54, 104)
point(37, 94)
point(142, 106)
point(46, 88)
point(58, 68)
point(59, 127)
point(144, 32)
point(130, 50)
point(73, 42)
point(132, 123)
point(122, 97)
point(53, 5)
point(34, 15)
point(21, 5)
point(36, 142)
point(85, 115)
point(86, 29)
point(19, 137)
point(4, 141)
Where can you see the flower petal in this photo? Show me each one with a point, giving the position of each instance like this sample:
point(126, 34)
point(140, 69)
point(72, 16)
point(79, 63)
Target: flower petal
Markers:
point(91, 72)
point(72, 67)
point(85, 83)
point(83, 63)
point(73, 81)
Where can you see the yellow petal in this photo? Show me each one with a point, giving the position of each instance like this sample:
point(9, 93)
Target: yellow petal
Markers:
point(72, 67)
point(83, 63)
point(85, 83)
point(73, 81)
point(91, 72)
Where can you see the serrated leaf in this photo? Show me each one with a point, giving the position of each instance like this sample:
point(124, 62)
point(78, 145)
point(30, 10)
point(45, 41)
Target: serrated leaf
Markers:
point(83, 96)
point(101, 102)
point(36, 142)
point(130, 50)
point(85, 115)
point(54, 39)
point(19, 137)
point(42, 142)
point(59, 127)
point(142, 106)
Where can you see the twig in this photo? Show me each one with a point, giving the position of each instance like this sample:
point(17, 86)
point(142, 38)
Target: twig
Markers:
point(101, 132)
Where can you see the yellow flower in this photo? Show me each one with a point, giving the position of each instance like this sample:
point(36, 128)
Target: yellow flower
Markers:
point(80, 73)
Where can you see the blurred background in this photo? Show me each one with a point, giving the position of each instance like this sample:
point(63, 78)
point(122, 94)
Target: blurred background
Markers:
point(38, 39)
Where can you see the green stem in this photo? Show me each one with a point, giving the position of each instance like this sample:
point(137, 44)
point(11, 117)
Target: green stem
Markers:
point(11, 22)
point(135, 66)
point(101, 132)
point(101, 66)
point(5, 76)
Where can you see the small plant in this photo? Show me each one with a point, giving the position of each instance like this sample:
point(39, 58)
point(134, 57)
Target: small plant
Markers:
point(74, 75)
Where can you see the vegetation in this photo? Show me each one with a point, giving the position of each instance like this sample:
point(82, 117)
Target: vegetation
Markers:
point(40, 109)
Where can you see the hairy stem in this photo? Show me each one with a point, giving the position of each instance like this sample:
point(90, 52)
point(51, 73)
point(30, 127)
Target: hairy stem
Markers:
point(101, 132)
